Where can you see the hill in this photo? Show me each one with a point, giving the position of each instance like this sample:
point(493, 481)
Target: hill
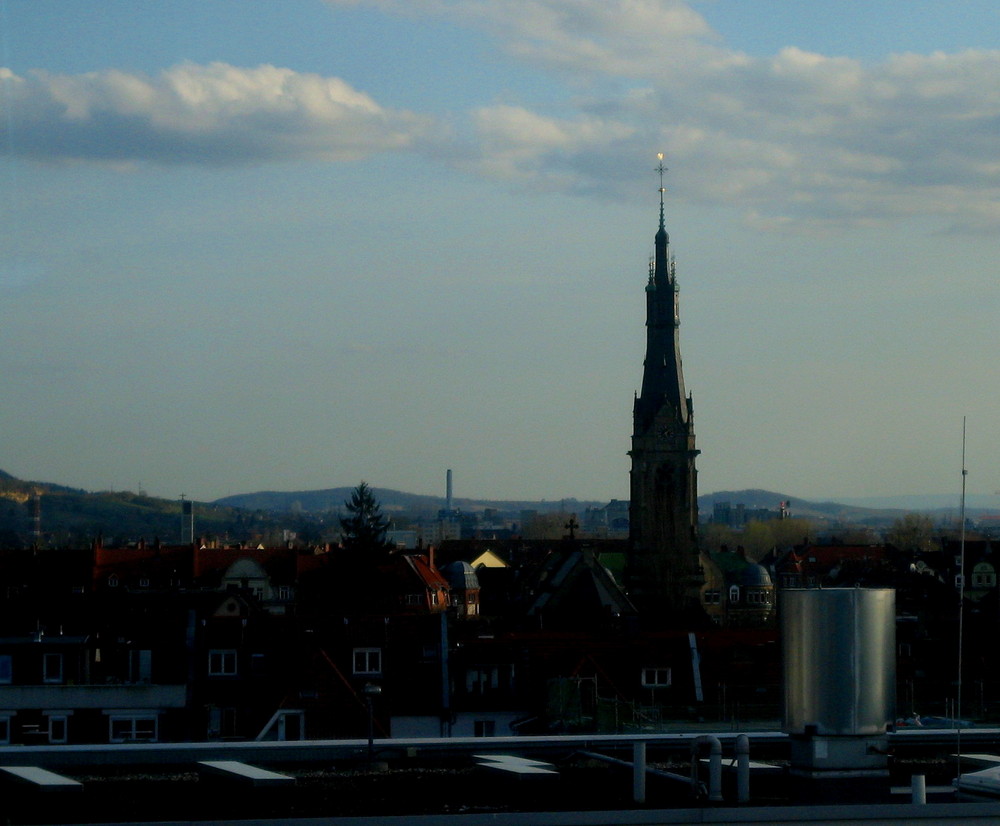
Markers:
point(873, 512)
point(331, 500)
point(70, 516)
point(73, 517)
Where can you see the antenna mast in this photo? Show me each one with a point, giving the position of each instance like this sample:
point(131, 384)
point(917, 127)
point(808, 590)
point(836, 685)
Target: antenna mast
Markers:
point(961, 615)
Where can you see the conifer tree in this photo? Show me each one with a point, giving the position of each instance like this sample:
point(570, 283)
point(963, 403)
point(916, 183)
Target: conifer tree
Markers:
point(364, 528)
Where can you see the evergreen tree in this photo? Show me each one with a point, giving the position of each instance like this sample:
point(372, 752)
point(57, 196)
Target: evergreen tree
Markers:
point(364, 528)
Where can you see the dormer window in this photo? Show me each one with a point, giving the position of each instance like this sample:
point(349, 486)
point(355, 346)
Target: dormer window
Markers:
point(52, 668)
point(113, 581)
point(656, 677)
point(222, 662)
point(367, 660)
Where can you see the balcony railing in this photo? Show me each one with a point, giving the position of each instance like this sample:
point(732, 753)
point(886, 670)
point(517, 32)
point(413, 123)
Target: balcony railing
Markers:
point(135, 696)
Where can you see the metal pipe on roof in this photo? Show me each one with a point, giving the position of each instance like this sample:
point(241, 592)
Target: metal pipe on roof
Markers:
point(714, 764)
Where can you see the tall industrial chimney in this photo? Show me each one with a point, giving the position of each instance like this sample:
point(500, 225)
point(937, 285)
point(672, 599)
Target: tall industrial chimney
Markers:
point(187, 521)
point(447, 504)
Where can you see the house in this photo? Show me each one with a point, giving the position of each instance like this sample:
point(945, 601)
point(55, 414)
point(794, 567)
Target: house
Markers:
point(738, 593)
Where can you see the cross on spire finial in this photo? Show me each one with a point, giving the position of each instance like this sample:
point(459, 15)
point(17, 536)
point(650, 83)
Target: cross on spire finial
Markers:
point(661, 169)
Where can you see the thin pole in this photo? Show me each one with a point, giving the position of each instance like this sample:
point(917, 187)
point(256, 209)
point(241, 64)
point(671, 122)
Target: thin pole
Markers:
point(371, 730)
point(961, 615)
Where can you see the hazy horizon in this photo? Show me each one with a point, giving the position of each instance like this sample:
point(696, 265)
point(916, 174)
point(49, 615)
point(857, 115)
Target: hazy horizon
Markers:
point(283, 245)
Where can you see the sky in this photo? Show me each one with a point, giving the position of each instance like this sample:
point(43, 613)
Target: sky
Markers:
point(294, 244)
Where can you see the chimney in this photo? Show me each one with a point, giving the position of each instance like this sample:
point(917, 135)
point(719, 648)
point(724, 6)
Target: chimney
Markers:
point(447, 505)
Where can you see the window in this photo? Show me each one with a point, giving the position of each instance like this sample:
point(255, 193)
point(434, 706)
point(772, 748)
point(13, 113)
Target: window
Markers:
point(414, 599)
point(221, 722)
point(52, 668)
point(292, 725)
point(713, 597)
point(127, 728)
point(734, 593)
point(222, 662)
point(140, 665)
point(481, 679)
point(58, 724)
point(284, 592)
point(984, 575)
point(656, 677)
point(6, 669)
point(5, 730)
point(228, 722)
point(484, 728)
point(367, 660)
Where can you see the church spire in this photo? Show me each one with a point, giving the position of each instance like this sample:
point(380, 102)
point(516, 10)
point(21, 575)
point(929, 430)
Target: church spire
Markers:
point(662, 378)
point(663, 567)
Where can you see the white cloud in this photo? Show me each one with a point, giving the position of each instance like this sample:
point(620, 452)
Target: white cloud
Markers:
point(515, 142)
point(795, 136)
point(584, 37)
point(198, 114)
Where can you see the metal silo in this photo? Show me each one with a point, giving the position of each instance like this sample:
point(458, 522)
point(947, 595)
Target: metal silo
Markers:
point(839, 651)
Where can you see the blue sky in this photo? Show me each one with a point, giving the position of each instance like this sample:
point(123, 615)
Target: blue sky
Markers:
point(292, 245)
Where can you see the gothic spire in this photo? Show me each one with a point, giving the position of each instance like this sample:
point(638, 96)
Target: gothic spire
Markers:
point(663, 379)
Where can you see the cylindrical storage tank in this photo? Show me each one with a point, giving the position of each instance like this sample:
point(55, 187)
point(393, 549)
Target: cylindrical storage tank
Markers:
point(839, 651)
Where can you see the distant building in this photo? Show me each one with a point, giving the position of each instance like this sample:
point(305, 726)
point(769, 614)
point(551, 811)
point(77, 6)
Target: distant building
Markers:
point(738, 592)
point(435, 531)
point(609, 522)
point(725, 513)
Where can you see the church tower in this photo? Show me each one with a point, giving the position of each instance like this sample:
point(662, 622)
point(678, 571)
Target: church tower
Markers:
point(664, 572)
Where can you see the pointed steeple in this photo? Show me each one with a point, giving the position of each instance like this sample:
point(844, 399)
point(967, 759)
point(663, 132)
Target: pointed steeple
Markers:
point(662, 378)
point(663, 567)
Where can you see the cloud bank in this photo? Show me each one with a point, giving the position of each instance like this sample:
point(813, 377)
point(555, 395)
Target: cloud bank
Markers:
point(215, 114)
point(793, 139)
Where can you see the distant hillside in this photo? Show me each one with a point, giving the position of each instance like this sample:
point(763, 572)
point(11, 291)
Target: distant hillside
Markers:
point(331, 500)
point(859, 511)
point(70, 516)
point(800, 508)
point(74, 517)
